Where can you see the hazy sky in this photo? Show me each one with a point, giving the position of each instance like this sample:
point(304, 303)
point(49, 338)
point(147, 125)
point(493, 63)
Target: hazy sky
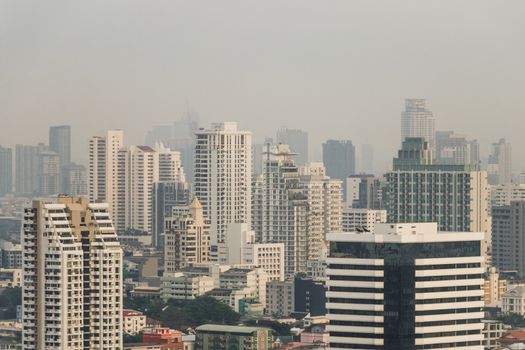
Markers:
point(338, 69)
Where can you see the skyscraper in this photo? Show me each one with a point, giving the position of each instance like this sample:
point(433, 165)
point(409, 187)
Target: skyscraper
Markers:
point(26, 169)
point(298, 142)
point(280, 209)
point(367, 159)
point(187, 239)
point(455, 149)
point(508, 237)
point(166, 196)
point(138, 169)
point(103, 166)
point(60, 143)
point(6, 170)
point(76, 180)
point(48, 173)
point(223, 172)
point(339, 158)
point(454, 196)
point(417, 121)
point(325, 202)
point(72, 282)
point(499, 167)
point(406, 286)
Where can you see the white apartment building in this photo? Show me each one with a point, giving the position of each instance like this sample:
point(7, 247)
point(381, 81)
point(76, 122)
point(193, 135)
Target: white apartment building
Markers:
point(182, 286)
point(138, 169)
point(223, 171)
point(513, 300)
point(242, 249)
point(72, 280)
point(503, 194)
point(187, 239)
point(439, 274)
point(253, 280)
point(170, 164)
point(362, 219)
point(133, 321)
point(280, 209)
point(103, 166)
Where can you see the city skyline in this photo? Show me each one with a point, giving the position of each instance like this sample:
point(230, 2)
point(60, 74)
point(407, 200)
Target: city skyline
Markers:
point(325, 77)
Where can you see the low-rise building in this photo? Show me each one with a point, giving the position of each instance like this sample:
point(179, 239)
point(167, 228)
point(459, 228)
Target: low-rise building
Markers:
point(241, 249)
point(167, 338)
point(133, 321)
point(10, 278)
point(513, 300)
point(356, 219)
point(211, 336)
point(492, 331)
point(10, 255)
point(182, 286)
point(279, 298)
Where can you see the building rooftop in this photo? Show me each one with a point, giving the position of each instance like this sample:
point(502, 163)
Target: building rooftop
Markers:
point(228, 329)
point(406, 233)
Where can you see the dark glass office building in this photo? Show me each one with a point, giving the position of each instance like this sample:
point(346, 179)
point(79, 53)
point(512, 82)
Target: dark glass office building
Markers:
point(406, 286)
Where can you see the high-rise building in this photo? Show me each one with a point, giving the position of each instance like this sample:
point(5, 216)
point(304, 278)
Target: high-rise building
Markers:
point(72, 281)
point(76, 182)
point(223, 176)
point(499, 166)
point(60, 143)
point(103, 166)
point(48, 173)
point(179, 137)
point(298, 142)
point(364, 191)
point(367, 159)
point(166, 196)
point(280, 208)
point(6, 171)
point(339, 158)
point(187, 239)
point(170, 165)
point(325, 202)
point(26, 169)
point(138, 170)
point(406, 286)
point(454, 196)
point(508, 237)
point(418, 121)
point(452, 148)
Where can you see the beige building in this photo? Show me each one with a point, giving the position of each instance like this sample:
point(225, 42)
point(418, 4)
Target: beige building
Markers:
point(72, 259)
point(187, 239)
point(513, 300)
point(494, 287)
point(325, 202)
point(279, 298)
